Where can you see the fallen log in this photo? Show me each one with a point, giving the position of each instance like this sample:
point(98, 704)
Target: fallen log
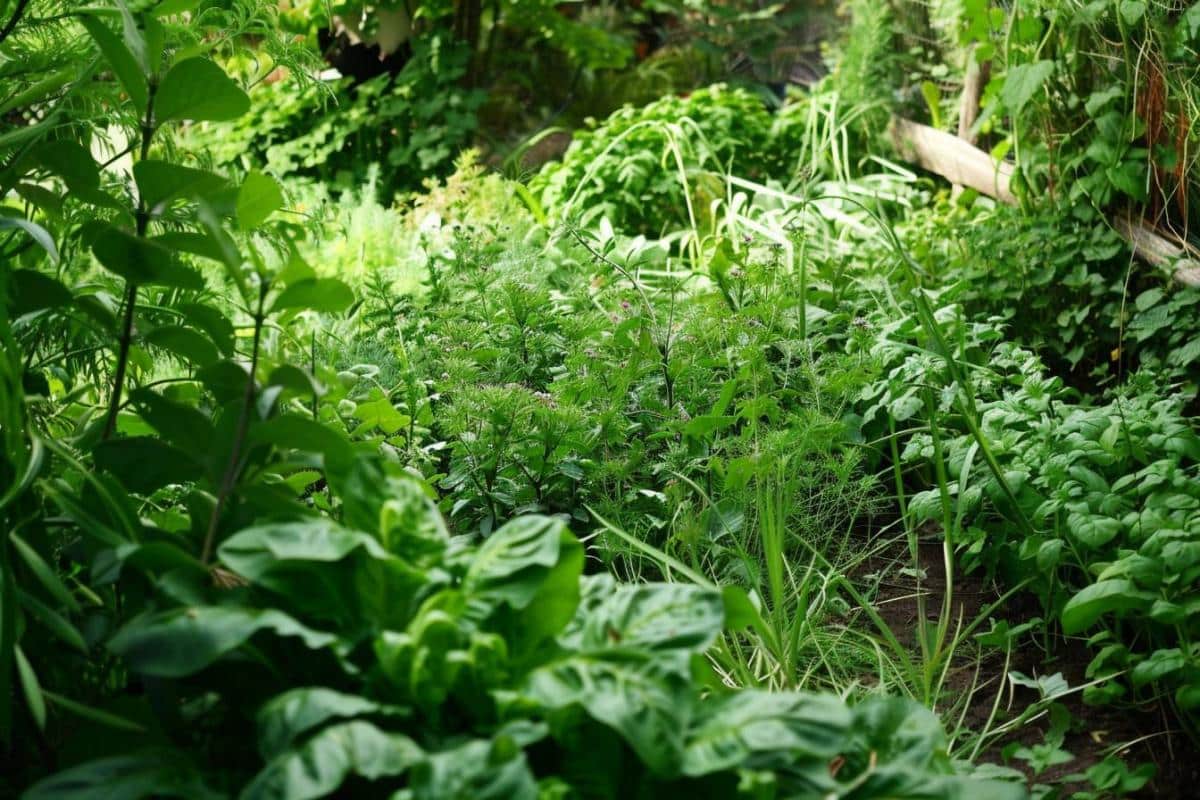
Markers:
point(964, 164)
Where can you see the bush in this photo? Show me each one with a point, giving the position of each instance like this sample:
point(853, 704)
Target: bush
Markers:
point(381, 655)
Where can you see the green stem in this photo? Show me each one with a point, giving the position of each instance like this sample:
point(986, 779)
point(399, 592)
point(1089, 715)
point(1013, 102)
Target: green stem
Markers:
point(232, 468)
point(126, 339)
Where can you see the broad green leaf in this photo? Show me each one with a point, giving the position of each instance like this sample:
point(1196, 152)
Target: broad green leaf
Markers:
point(1132, 11)
point(30, 290)
point(326, 571)
point(1092, 530)
point(287, 716)
point(144, 774)
point(1104, 597)
point(732, 728)
point(1160, 664)
point(1022, 82)
point(198, 89)
point(381, 414)
point(513, 562)
point(701, 426)
point(122, 61)
point(258, 198)
point(531, 566)
point(327, 295)
point(208, 319)
point(197, 244)
point(71, 162)
point(144, 464)
point(142, 261)
point(183, 641)
point(180, 424)
point(645, 697)
point(185, 343)
point(295, 379)
point(225, 379)
point(648, 618)
point(294, 432)
point(160, 182)
point(478, 769)
point(319, 766)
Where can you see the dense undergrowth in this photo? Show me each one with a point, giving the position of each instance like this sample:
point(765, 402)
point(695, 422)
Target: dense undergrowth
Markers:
point(337, 464)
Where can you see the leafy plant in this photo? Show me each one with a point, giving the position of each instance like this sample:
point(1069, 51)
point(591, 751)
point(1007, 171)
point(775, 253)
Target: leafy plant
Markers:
point(476, 671)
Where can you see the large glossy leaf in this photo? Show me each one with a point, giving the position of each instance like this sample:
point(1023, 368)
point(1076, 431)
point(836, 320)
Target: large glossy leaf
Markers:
point(286, 717)
point(513, 562)
point(142, 261)
point(145, 463)
point(159, 182)
point(649, 617)
point(182, 641)
point(773, 729)
point(530, 568)
point(480, 770)
point(1100, 598)
point(150, 773)
point(647, 698)
point(198, 89)
point(319, 766)
point(326, 571)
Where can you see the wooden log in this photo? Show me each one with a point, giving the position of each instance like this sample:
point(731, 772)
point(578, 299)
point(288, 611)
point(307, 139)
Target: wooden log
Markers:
point(955, 160)
point(962, 163)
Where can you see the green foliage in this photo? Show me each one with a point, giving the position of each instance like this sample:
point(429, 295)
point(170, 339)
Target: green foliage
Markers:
point(1065, 288)
point(411, 126)
point(472, 671)
point(659, 167)
point(1099, 501)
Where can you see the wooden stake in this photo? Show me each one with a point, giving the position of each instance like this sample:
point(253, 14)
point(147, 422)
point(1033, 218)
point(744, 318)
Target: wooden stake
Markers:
point(962, 163)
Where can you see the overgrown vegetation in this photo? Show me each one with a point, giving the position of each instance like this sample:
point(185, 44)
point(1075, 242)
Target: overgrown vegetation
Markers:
point(725, 454)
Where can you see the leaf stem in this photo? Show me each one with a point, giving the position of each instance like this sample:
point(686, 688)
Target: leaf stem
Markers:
point(235, 453)
point(143, 222)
